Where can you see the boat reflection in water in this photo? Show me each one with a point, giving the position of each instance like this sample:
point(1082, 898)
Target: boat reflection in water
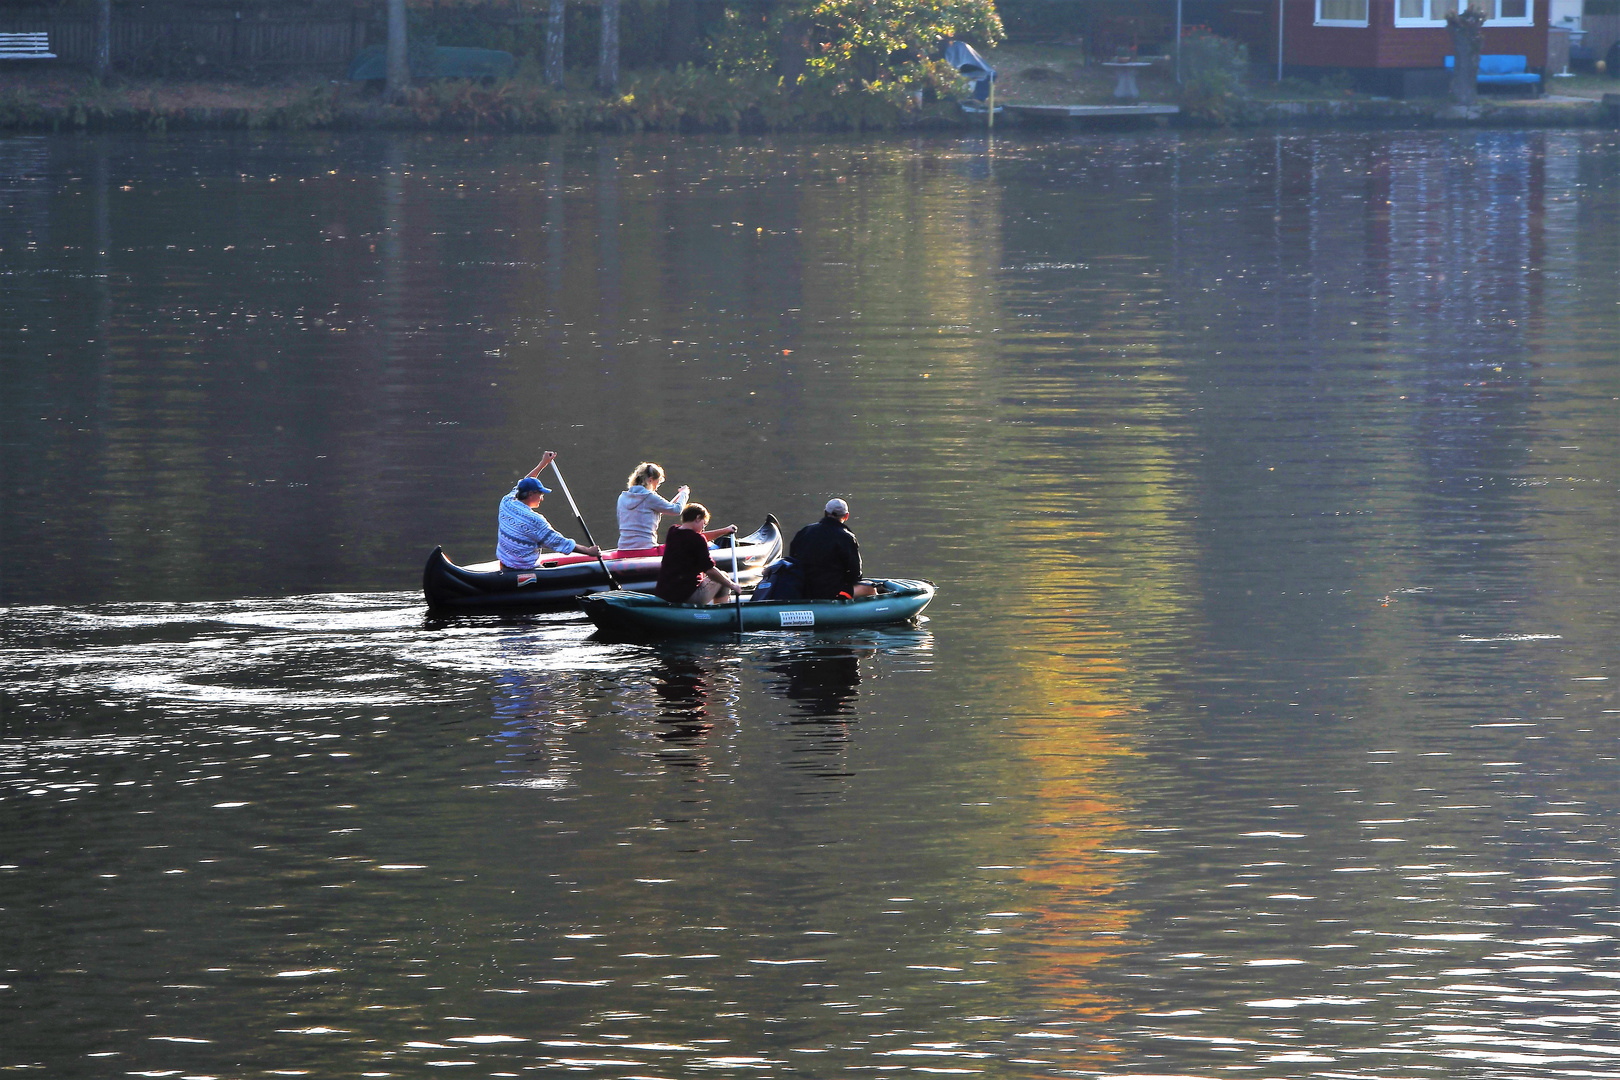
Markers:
point(822, 683)
point(689, 702)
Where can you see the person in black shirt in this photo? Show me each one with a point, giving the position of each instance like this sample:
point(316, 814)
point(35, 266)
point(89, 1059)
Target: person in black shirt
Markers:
point(687, 574)
point(828, 556)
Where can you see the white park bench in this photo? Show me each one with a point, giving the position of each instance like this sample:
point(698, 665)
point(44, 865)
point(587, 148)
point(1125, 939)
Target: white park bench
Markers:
point(30, 46)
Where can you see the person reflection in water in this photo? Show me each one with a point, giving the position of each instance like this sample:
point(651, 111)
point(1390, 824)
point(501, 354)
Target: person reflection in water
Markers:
point(687, 574)
point(823, 685)
point(523, 531)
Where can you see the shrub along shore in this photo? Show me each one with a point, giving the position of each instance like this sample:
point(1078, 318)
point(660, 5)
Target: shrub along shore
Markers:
point(683, 100)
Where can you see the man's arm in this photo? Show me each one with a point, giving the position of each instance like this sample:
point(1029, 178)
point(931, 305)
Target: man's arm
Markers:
point(552, 540)
point(545, 459)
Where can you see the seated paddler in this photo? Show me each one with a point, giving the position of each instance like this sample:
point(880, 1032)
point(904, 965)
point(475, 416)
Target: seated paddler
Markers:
point(523, 531)
point(688, 574)
point(640, 506)
point(829, 557)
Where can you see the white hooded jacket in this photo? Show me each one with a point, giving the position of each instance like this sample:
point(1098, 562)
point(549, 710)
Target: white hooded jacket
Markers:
point(638, 517)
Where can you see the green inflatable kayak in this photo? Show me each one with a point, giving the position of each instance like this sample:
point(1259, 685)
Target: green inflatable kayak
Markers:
point(639, 614)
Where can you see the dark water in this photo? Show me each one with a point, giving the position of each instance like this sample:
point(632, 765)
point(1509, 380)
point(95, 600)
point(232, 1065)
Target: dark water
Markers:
point(1264, 725)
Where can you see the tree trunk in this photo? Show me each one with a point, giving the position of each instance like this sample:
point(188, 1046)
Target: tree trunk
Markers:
point(399, 65)
point(680, 32)
point(555, 20)
point(793, 49)
point(101, 61)
point(1467, 39)
point(607, 69)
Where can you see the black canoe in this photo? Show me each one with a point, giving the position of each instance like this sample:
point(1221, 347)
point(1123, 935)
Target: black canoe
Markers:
point(559, 580)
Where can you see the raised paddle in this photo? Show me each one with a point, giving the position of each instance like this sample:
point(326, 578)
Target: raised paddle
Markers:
point(736, 579)
point(586, 529)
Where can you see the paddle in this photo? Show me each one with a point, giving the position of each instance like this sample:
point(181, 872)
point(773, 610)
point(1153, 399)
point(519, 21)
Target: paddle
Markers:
point(586, 529)
point(736, 579)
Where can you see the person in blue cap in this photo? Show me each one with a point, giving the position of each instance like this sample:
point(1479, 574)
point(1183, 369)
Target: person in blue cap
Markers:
point(523, 532)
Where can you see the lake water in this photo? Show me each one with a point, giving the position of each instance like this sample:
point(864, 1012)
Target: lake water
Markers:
point(1264, 724)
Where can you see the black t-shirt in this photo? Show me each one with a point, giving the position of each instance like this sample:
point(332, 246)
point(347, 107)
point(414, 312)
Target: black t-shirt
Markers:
point(686, 557)
point(827, 554)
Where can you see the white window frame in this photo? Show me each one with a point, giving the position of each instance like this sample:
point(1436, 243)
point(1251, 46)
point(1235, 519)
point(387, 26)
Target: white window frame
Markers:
point(1493, 11)
point(1498, 19)
point(1342, 22)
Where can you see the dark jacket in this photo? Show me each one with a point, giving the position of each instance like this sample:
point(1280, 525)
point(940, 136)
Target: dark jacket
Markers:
point(686, 557)
point(829, 556)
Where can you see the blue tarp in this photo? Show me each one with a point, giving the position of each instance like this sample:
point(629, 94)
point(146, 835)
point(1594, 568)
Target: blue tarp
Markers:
point(443, 62)
point(966, 60)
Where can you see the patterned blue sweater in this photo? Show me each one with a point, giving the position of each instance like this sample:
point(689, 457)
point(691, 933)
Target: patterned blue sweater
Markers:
point(523, 532)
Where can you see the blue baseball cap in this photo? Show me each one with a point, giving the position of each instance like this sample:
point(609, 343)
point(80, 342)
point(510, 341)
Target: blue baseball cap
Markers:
point(530, 486)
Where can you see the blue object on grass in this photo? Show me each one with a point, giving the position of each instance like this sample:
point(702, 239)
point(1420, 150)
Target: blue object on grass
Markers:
point(1501, 69)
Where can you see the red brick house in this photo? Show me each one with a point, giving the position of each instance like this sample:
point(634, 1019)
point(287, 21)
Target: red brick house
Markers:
point(1400, 46)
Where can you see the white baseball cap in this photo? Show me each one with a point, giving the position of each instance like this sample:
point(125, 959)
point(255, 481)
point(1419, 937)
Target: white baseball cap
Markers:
point(837, 507)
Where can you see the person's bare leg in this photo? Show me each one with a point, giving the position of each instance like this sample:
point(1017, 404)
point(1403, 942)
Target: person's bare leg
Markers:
point(710, 592)
point(864, 590)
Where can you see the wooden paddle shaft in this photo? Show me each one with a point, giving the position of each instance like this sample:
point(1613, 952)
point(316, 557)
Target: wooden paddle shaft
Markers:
point(586, 529)
point(736, 579)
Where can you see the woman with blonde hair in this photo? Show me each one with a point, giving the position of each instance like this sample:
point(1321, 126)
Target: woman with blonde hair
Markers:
point(640, 506)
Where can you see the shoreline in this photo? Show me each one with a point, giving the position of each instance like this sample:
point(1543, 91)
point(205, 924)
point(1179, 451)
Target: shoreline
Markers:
point(29, 104)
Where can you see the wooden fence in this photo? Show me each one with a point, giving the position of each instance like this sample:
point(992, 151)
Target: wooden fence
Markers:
point(202, 44)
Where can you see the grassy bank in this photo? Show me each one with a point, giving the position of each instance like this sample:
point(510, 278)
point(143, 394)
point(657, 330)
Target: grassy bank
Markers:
point(690, 100)
point(1057, 74)
point(682, 100)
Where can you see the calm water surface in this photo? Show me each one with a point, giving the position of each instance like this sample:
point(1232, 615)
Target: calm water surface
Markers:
point(1264, 725)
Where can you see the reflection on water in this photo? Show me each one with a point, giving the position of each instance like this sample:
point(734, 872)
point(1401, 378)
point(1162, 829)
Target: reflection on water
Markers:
point(1263, 724)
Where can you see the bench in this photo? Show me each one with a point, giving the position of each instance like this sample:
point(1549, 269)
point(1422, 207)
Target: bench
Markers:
point(30, 46)
point(1502, 69)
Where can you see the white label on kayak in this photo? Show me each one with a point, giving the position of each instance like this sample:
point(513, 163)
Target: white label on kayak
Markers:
point(702, 615)
point(881, 607)
point(797, 618)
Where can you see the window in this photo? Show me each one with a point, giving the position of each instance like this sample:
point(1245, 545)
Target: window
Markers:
point(1341, 12)
point(1434, 12)
point(1509, 13)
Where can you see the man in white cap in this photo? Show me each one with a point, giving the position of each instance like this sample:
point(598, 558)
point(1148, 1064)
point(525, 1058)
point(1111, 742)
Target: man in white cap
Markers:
point(828, 556)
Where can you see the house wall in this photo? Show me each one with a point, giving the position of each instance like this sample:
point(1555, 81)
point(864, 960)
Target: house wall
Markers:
point(1382, 44)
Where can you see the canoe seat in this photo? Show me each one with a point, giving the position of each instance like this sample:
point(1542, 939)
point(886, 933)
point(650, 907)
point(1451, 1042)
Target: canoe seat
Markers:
point(550, 561)
point(635, 553)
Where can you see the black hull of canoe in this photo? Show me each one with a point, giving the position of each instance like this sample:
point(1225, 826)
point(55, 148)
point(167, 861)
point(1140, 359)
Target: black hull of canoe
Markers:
point(451, 588)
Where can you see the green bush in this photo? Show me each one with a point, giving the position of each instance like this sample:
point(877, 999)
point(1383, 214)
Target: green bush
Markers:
point(745, 43)
point(1213, 69)
point(877, 41)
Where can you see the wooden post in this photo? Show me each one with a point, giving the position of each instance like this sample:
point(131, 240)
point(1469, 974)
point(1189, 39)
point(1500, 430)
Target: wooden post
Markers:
point(1281, 22)
point(556, 19)
point(101, 57)
point(399, 65)
point(990, 113)
point(607, 69)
